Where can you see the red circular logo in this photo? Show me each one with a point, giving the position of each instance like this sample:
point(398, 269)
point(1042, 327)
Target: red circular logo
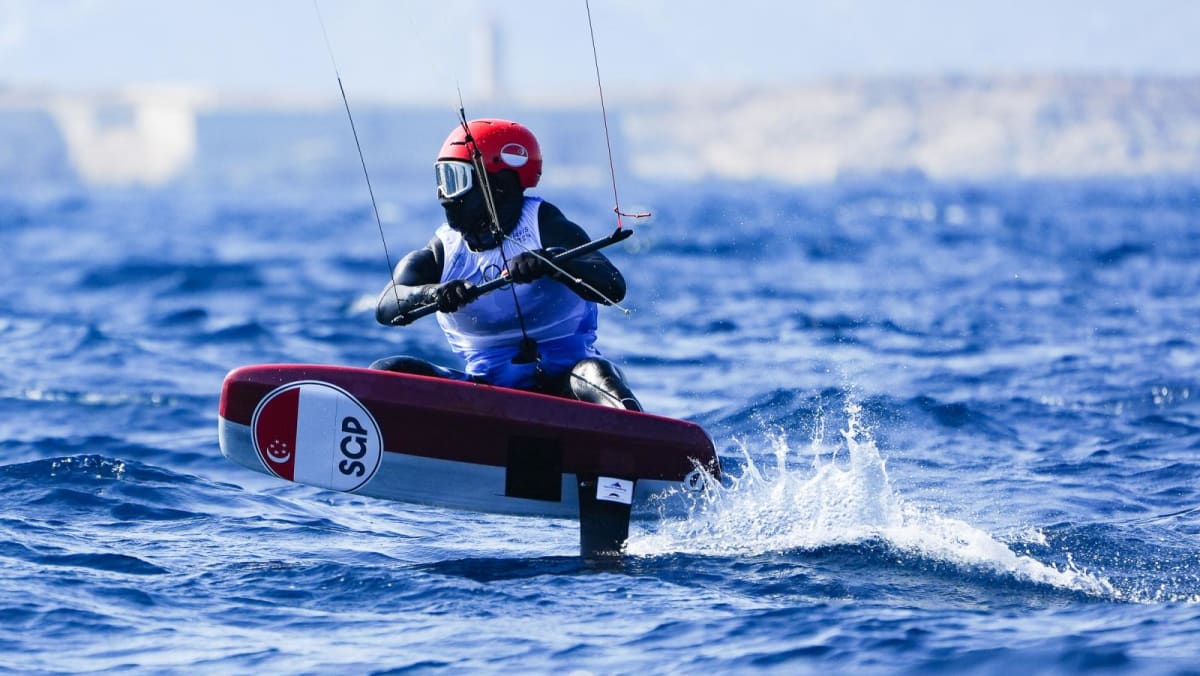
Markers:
point(514, 155)
point(315, 433)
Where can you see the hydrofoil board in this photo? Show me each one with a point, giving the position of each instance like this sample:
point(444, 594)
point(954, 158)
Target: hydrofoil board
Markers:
point(454, 444)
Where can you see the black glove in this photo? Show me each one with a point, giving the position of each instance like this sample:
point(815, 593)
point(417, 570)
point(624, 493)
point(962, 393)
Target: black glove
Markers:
point(527, 266)
point(453, 295)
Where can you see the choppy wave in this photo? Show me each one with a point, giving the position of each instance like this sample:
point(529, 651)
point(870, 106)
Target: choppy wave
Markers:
point(959, 426)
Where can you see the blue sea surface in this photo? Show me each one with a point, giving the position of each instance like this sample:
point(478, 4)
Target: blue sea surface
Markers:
point(960, 425)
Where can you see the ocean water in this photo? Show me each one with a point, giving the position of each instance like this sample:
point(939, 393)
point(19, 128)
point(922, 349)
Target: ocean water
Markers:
point(960, 425)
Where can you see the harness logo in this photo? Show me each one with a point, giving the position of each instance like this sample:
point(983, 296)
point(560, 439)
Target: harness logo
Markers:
point(491, 272)
point(315, 433)
point(514, 155)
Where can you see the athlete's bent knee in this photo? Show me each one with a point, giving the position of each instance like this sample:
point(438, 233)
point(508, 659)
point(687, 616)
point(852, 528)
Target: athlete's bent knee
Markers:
point(600, 381)
point(405, 364)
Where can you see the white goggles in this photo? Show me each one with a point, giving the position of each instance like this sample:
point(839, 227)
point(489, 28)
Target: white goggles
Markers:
point(454, 179)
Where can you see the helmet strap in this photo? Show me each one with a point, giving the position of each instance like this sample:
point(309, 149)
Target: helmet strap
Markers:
point(481, 171)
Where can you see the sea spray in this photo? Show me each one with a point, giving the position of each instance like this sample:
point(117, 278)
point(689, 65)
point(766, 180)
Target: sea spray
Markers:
point(843, 496)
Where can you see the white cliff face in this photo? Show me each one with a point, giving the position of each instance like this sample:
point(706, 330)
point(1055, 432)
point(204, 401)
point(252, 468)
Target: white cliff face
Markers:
point(137, 137)
point(943, 127)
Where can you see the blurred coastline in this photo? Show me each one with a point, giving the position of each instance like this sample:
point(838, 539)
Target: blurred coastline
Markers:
point(944, 127)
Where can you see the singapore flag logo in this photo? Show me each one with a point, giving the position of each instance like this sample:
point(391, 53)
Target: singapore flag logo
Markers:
point(316, 433)
point(514, 155)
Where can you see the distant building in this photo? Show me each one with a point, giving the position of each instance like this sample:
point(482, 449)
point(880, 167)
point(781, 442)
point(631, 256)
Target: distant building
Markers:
point(488, 64)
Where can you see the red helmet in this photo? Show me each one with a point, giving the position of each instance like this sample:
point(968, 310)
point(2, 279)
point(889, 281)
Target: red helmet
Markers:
point(503, 145)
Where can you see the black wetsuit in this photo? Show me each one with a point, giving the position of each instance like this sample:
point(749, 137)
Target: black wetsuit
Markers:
point(417, 282)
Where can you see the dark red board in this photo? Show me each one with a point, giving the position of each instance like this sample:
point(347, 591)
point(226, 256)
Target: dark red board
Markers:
point(466, 422)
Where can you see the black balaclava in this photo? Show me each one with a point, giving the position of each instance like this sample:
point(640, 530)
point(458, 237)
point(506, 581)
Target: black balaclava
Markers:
point(468, 214)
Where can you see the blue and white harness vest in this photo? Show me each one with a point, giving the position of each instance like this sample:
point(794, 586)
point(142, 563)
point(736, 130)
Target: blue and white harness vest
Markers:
point(487, 334)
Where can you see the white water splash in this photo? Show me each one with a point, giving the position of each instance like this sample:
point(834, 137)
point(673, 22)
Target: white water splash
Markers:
point(843, 497)
point(95, 466)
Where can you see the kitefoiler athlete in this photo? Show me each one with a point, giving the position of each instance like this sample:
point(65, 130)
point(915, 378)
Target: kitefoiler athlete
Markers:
point(539, 332)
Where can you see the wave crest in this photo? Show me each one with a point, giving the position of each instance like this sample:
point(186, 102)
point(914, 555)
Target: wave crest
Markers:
point(839, 495)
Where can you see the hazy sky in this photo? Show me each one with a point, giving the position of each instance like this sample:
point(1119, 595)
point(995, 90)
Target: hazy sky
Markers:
point(419, 49)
